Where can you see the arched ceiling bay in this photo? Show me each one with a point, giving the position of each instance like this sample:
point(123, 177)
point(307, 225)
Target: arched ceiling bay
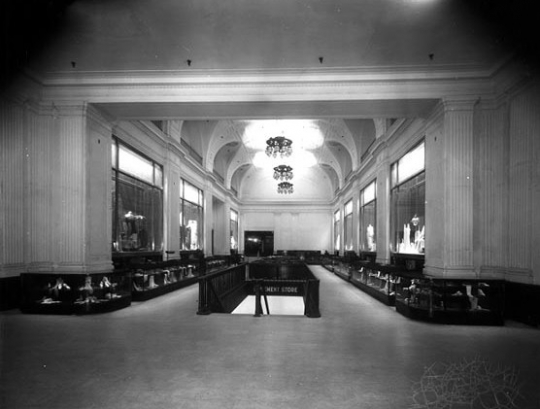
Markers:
point(235, 153)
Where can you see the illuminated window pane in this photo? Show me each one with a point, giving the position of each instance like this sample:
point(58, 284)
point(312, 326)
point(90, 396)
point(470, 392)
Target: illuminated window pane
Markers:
point(411, 163)
point(191, 193)
point(191, 228)
point(368, 227)
point(234, 230)
point(113, 154)
point(368, 194)
point(138, 217)
point(408, 198)
point(158, 173)
point(135, 165)
point(408, 216)
point(348, 207)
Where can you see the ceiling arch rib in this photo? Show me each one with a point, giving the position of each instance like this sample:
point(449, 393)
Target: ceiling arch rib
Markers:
point(241, 161)
point(325, 157)
point(225, 132)
point(198, 135)
point(336, 130)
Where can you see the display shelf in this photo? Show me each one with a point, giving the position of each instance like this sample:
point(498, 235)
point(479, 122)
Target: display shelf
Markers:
point(452, 301)
point(52, 293)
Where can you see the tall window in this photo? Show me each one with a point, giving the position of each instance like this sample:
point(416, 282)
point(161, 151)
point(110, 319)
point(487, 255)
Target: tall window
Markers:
point(137, 195)
point(191, 217)
point(234, 230)
point(408, 197)
point(337, 231)
point(348, 224)
point(368, 218)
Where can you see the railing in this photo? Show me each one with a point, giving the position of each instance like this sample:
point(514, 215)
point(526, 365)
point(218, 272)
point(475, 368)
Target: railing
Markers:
point(222, 291)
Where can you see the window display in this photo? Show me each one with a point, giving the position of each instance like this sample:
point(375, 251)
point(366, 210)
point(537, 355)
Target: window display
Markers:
point(368, 240)
point(137, 197)
point(408, 198)
point(191, 217)
point(348, 225)
point(234, 231)
point(337, 231)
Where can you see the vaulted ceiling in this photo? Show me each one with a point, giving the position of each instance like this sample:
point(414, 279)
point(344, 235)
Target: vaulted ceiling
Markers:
point(204, 39)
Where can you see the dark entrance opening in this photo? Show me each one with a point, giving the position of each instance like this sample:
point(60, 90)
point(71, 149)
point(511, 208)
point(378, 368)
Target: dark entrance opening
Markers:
point(258, 243)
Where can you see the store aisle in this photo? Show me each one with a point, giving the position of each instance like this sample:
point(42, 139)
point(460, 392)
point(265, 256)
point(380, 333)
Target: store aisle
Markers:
point(160, 354)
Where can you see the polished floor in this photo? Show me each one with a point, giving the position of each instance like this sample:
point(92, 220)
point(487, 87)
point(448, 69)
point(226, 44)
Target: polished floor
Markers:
point(359, 354)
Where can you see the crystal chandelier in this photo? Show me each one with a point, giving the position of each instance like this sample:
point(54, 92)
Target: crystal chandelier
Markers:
point(280, 145)
point(285, 188)
point(283, 172)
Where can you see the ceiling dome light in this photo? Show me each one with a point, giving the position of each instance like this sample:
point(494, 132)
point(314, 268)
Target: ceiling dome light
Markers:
point(283, 172)
point(285, 188)
point(279, 146)
point(305, 134)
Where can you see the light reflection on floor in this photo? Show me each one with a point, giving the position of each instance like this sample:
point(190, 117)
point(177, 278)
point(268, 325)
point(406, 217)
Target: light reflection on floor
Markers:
point(278, 305)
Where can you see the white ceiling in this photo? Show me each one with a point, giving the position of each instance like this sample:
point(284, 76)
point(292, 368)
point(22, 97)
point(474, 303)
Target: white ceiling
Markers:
point(105, 35)
point(181, 39)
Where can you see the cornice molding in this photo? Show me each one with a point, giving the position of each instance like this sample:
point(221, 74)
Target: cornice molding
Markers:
point(362, 83)
point(341, 74)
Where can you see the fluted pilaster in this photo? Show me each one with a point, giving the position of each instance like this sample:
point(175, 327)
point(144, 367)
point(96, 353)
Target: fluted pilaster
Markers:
point(491, 189)
point(449, 249)
point(68, 190)
point(12, 170)
point(523, 238)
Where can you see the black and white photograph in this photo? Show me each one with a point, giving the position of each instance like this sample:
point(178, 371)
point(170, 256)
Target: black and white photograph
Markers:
point(269, 204)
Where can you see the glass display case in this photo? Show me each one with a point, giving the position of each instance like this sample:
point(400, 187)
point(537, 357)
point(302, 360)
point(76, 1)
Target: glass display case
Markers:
point(342, 268)
point(154, 279)
point(376, 279)
point(327, 261)
point(75, 293)
point(451, 300)
point(216, 263)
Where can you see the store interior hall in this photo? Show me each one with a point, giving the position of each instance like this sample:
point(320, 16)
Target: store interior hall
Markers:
point(389, 150)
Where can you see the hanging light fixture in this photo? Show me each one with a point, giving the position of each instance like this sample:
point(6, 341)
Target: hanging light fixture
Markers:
point(280, 145)
point(285, 188)
point(283, 172)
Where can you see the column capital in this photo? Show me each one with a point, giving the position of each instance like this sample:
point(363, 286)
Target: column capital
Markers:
point(459, 103)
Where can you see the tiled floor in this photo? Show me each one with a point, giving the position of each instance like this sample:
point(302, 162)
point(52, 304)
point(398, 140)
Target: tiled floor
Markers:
point(160, 354)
